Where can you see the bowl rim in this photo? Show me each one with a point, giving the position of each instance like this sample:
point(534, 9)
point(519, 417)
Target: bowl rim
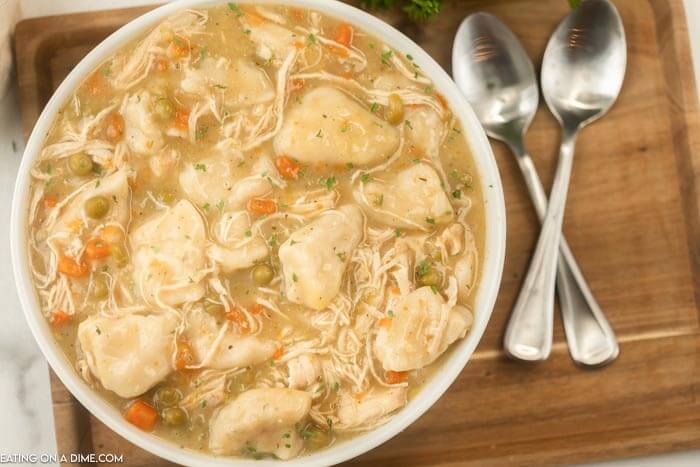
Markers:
point(486, 293)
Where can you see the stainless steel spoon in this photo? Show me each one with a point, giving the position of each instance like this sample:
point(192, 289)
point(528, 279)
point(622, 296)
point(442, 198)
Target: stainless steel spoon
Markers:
point(495, 74)
point(582, 73)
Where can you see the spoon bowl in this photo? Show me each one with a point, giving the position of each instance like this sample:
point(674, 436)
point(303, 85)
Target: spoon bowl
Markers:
point(584, 64)
point(493, 71)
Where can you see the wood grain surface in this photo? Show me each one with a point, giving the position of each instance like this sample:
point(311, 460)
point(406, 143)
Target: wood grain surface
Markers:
point(632, 220)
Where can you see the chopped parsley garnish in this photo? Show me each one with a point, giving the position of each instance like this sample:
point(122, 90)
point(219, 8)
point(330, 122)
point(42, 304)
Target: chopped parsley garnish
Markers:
point(319, 134)
point(341, 256)
point(423, 268)
point(379, 200)
point(311, 39)
point(430, 220)
point(409, 124)
point(364, 178)
point(328, 182)
point(200, 167)
point(374, 107)
point(294, 277)
point(457, 194)
point(233, 7)
point(201, 132)
point(398, 233)
point(220, 205)
point(248, 233)
point(386, 56)
point(350, 165)
point(390, 313)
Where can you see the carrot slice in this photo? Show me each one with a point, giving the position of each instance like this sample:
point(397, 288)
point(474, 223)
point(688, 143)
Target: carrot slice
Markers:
point(239, 318)
point(59, 318)
point(96, 248)
point(141, 415)
point(111, 234)
point(385, 323)
point(50, 201)
point(161, 64)
point(178, 48)
point(70, 268)
point(396, 377)
point(296, 84)
point(261, 206)
point(344, 35)
point(94, 84)
point(288, 167)
point(252, 17)
point(184, 356)
point(113, 128)
point(182, 118)
point(257, 309)
point(278, 353)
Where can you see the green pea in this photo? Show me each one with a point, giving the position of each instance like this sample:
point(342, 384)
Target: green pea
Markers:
point(100, 288)
point(394, 111)
point(430, 278)
point(119, 254)
point(80, 164)
point(262, 274)
point(174, 416)
point(97, 207)
point(167, 396)
point(164, 108)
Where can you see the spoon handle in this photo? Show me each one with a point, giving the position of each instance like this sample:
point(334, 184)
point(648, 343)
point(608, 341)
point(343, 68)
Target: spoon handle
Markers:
point(529, 332)
point(591, 339)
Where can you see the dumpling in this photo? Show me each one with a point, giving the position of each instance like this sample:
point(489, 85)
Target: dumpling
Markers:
point(354, 413)
point(114, 188)
point(210, 73)
point(221, 179)
point(251, 84)
point(426, 131)
point(411, 340)
point(237, 247)
point(240, 80)
point(314, 257)
point(129, 354)
point(304, 371)
point(233, 350)
point(272, 40)
point(169, 256)
point(329, 127)
point(413, 198)
point(163, 162)
point(465, 267)
point(261, 421)
point(141, 132)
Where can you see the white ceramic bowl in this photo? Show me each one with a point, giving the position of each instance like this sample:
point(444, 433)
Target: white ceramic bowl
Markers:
point(485, 294)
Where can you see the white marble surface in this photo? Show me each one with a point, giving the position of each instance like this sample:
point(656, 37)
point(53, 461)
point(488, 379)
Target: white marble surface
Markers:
point(26, 423)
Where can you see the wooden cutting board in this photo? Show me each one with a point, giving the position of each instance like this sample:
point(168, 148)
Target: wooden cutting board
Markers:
point(632, 220)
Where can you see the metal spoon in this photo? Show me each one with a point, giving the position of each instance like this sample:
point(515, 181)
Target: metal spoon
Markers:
point(582, 73)
point(495, 74)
